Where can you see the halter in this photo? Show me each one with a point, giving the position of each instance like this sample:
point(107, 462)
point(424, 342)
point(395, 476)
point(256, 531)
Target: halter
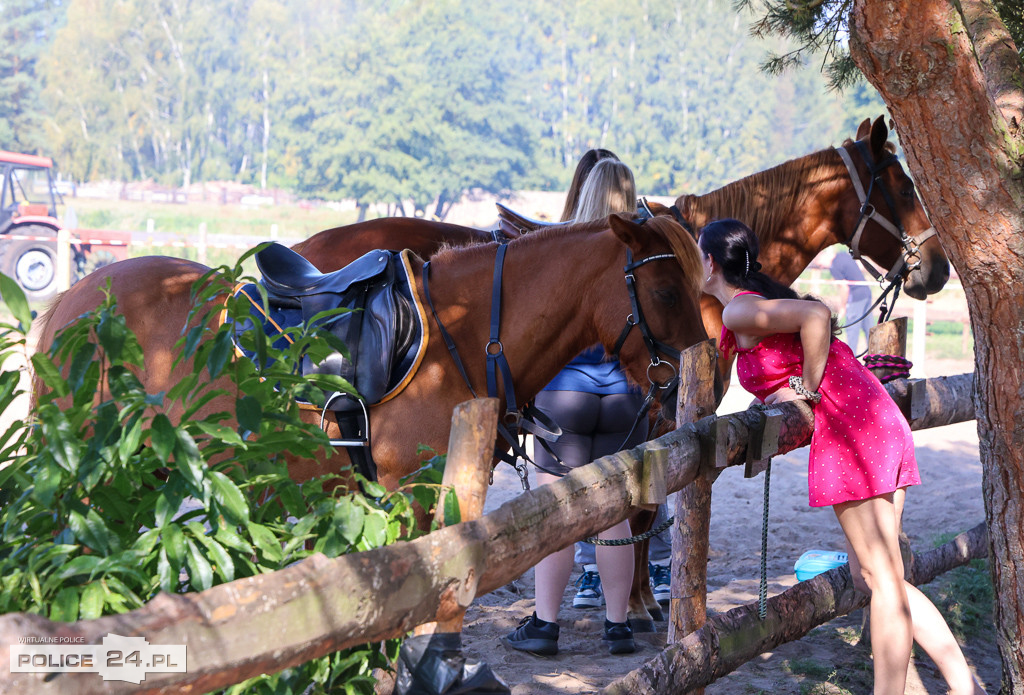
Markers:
point(910, 258)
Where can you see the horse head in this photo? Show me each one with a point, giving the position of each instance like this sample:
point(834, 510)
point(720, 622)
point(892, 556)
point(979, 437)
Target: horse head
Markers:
point(664, 276)
point(892, 227)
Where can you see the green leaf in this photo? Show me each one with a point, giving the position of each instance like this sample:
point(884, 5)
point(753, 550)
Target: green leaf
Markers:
point(174, 545)
point(348, 519)
point(223, 563)
point(131, 439)
point(200, 572)
point(47, 371)
point(219, 355)
point(228, 537)
point(250, 413)
point(230, 499)
point(65, 605)
point(16, 302)
point(90, 605)
point(167, 575)
point(112, 334)
point(374, 531)
point(90, 530)
point(163, 437)
point(452, 513)
point(266, 541)
point(374, 489)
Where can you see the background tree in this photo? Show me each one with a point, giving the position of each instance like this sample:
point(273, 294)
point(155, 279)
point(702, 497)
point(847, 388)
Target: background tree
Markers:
point(951, 75)
point(26, 33)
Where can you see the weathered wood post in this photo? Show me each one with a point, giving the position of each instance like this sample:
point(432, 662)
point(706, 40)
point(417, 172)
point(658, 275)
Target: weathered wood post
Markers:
point(688, 604)
point(467, 475)
point(888, 338)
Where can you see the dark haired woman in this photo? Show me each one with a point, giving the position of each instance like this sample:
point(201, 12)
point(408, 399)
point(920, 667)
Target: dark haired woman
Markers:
point(861, 454)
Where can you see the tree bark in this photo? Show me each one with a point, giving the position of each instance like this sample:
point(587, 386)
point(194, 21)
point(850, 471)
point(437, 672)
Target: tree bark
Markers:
point(951, 78)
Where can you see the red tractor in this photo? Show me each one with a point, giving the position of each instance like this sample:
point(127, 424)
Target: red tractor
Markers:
point(29, 226)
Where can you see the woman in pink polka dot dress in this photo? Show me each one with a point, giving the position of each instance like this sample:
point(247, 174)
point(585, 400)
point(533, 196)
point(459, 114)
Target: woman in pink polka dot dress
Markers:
point(862, 452)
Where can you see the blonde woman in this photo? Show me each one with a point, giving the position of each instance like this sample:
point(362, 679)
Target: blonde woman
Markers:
point(595, 406)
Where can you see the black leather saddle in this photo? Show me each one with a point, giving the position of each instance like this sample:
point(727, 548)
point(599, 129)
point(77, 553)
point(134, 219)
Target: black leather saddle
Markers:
point(382, 327)
point(514, 224)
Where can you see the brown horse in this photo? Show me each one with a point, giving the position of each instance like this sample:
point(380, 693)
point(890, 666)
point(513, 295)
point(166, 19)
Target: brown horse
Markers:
point(799, 208)
point(563, 290)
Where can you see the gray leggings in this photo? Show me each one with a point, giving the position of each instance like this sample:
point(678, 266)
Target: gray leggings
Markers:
point(593, 426)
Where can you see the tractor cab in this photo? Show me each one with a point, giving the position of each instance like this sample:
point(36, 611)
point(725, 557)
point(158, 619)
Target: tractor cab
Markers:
point(28, 190)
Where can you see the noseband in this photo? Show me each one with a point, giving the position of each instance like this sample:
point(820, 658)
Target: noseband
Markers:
point(910, 258)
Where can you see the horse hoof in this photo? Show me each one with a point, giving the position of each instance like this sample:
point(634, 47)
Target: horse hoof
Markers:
point(642, 625)
point(656, 614)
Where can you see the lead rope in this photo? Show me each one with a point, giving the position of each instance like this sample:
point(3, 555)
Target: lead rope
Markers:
point(762, 596)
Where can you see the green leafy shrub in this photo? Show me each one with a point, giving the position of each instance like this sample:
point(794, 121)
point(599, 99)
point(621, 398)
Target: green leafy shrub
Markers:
point(105, 501)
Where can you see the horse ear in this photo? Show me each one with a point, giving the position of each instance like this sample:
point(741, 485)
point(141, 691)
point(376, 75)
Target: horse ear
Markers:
point(628, 231)
point(879, 135)
point(863, 129)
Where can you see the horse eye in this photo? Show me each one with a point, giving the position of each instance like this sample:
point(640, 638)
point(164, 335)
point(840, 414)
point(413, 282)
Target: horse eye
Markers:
point(907, 193)
point(667, 296)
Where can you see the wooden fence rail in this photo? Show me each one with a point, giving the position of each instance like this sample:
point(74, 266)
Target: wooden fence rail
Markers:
point(270, 622)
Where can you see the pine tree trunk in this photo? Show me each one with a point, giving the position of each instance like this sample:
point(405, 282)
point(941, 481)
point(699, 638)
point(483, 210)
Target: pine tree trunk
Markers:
point(951, 78)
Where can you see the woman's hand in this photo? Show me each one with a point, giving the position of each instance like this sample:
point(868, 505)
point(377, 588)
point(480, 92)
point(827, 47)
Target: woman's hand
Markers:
point(782, 395)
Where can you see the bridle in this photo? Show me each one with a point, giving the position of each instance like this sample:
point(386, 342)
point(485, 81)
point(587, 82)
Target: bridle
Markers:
point(666, 390)
point(910, 257)
point(516, 422)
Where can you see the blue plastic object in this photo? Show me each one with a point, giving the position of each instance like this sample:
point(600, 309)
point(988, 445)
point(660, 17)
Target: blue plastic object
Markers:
point(814, 562)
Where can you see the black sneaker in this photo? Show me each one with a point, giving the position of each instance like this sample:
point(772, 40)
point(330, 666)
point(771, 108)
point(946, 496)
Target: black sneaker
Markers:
point(535, 636)
point(618, 637)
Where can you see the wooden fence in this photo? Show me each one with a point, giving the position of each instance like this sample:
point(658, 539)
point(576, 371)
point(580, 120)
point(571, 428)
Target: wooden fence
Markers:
point(270, 622)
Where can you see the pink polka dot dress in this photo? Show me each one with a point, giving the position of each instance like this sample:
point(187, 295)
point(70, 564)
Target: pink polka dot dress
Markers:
point(861, 446)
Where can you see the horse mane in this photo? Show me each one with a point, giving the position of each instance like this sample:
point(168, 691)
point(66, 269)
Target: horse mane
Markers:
point(685, 249)
point(767, 199)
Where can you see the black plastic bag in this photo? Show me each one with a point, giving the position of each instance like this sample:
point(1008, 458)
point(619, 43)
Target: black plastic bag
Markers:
point(435, 665)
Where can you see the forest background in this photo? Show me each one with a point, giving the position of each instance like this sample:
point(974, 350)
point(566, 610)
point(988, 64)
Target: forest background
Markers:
point(407, 102)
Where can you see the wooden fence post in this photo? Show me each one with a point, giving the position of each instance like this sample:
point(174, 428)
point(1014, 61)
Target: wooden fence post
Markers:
point(688, 603)
point(467, 473)
point(63, 261)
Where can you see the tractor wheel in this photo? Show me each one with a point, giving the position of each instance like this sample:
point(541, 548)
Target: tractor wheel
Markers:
point(93, 262)
point(32, 264)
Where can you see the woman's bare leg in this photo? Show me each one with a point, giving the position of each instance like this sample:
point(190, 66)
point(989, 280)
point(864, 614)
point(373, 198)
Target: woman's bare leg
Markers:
point(551, 575)
point(931, 632)
point(615, 566)
point(871, 531)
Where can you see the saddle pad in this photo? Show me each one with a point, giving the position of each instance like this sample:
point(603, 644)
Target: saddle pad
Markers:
point(410, 341)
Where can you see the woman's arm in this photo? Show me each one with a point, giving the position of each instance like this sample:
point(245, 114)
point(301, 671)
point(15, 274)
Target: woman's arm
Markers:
point(756, 317)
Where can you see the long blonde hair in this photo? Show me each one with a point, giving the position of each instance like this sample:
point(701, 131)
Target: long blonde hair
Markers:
point(608, 189)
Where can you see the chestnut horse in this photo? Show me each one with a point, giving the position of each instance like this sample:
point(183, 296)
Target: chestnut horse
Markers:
point(563, 289)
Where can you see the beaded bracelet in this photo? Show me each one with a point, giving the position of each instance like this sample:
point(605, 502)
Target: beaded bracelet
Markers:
point(797, 384)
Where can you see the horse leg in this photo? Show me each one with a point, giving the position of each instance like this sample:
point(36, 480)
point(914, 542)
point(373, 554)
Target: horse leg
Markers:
point(643, 608)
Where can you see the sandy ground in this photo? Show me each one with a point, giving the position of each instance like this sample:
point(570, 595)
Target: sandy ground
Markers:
point(950, 500)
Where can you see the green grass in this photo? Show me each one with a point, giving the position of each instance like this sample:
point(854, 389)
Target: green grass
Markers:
point(964, 596)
